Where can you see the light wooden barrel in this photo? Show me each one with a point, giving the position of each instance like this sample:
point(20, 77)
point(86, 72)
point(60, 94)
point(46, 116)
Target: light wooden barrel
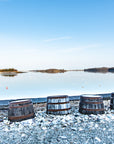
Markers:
point(58, 105)
point(91, 104)
point(20, 110)
point(112, 101)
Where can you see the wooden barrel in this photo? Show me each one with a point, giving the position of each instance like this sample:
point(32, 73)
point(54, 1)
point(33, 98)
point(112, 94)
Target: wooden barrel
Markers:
point(20, 110)
point(91, 104)
point(58, 105)
point(112, 101)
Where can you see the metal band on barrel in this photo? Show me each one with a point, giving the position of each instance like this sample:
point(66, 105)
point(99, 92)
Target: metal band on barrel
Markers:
point(92, 103)
point(20, 117)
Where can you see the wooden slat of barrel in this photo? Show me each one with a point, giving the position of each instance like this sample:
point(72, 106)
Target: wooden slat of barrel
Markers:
point(112, 101)
point(20, 110)
point(58, 105)
point(91, 104)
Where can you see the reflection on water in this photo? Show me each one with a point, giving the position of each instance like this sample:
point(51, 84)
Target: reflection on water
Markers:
point(103, 72)
point(9, 74)
point(28, 85)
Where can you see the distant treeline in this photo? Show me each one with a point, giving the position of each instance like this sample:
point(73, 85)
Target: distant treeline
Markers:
point(50, 71)
point(12, 71)
point(9, 70)
point(100, 70)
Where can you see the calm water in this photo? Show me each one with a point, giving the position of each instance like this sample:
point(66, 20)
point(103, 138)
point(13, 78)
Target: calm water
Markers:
point(36, 85)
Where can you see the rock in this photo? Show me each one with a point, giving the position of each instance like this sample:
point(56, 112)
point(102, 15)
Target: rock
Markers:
point(1, 120)
point(63, 137)
point(74, 129)
point(69, 129)
point(98, 139)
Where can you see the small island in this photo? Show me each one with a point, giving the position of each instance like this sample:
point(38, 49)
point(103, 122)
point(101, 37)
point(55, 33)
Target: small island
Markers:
point(50, 71)
point(11, 72)
point(100, 70)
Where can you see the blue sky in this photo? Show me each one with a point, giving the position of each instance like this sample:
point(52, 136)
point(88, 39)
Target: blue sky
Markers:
point(70, 34)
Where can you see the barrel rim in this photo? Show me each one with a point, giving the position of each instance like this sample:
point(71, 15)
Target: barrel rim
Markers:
point(20, 106)
point(57, 96)
point(20, 101)
point(92, 97)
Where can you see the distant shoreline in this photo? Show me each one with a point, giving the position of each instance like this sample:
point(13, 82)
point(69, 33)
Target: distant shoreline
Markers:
point(13, 72)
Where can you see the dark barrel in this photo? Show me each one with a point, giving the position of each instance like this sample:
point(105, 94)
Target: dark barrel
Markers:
point(112, 101)
point(58, 105)
point(91, 104)
point(20, 110)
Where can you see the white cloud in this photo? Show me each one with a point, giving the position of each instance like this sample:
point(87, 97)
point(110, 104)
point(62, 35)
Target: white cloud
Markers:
point(59, 38)
point(79, 48)
point(25, 55)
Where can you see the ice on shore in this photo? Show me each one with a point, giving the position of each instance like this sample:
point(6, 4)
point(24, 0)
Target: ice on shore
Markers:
point(74, 128)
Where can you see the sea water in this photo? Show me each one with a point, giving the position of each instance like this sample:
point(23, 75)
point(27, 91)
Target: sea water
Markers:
point(36, 85)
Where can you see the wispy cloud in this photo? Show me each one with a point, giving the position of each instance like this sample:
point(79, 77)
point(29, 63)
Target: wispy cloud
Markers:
point(59, 38)
point(81, 48)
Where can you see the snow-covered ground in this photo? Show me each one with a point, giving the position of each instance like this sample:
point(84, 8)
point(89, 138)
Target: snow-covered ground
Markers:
point(74, 128)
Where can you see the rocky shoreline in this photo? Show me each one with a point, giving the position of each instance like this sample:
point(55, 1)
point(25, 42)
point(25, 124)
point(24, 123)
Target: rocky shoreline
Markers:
point(74, 128)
